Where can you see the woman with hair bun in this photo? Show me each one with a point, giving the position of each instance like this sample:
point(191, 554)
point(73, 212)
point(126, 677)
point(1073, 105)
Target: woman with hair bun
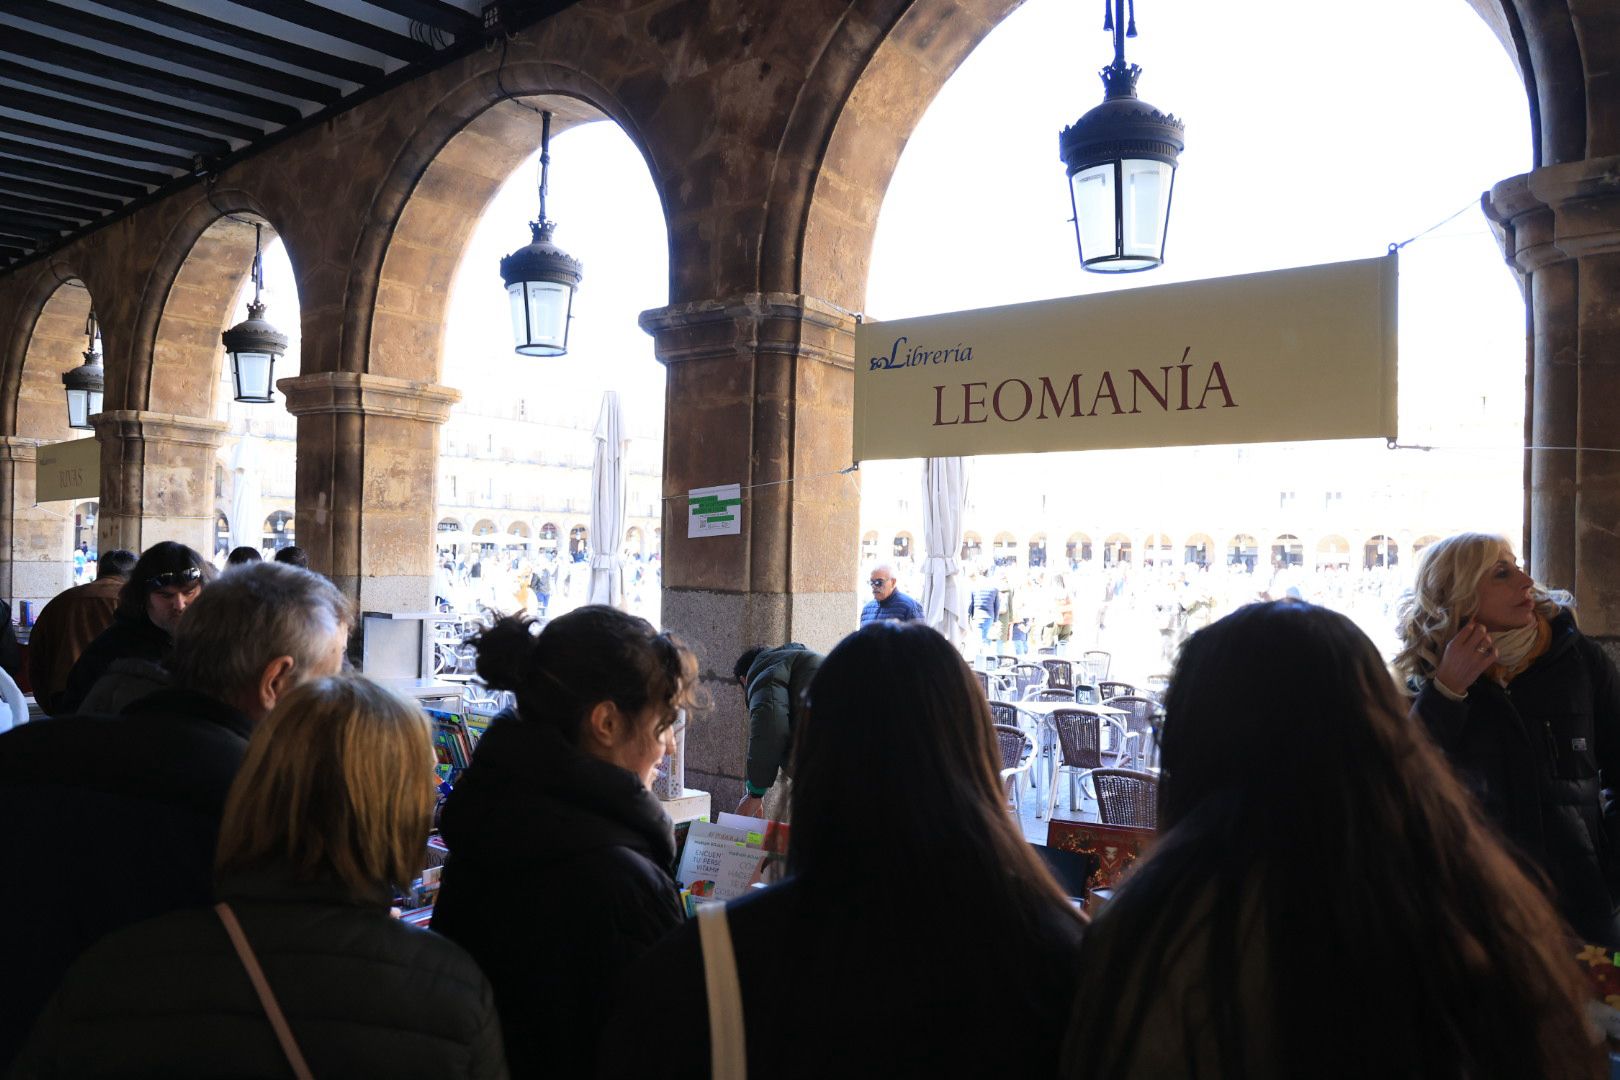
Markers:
point(561, 867)
point(1527, 710)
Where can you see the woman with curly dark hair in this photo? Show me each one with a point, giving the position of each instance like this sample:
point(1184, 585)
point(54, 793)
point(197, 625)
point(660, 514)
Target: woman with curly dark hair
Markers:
point(561, 867)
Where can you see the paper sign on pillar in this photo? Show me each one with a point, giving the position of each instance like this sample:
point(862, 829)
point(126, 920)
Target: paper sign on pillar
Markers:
point(1298, 354)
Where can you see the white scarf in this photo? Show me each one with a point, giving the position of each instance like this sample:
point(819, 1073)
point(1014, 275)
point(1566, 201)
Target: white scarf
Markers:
point(1512, 646)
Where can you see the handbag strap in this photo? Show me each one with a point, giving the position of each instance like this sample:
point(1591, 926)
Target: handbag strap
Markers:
point(261, 986)
point(727, 1037)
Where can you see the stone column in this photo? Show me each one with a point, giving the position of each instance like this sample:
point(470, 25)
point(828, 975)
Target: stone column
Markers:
point(368, 462)
point(36, 542)
point(760, 393)
point(1560, 228)
point(157, 479)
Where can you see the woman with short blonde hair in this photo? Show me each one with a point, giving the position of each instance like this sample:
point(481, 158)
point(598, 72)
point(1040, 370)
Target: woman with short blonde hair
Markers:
point(325, 824)
point(1527, 710)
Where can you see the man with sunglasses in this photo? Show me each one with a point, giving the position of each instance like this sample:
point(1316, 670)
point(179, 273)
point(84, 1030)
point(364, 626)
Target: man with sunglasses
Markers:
point(164, 582)
point(888, 602)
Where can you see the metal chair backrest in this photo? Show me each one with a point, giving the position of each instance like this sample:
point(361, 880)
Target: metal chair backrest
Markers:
point(1079, 738)
point(1013, 743)
point(1111, 690)
point(1051, 693)
point(994, 661)
point(1027, 677)
point(1086, 694)
point(1005, 714)
point(1140, 713)
point(1059, 674)
point(1127, 797)
point(1096, 662)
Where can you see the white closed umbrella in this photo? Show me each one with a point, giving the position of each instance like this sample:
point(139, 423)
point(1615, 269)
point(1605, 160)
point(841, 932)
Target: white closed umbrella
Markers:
point(247, 507)
point(944, 498)
point(607, 505)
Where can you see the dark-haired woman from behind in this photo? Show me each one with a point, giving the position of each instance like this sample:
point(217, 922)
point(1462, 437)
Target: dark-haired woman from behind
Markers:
point(1324, 899)
point(917, 933)
point(561, 868)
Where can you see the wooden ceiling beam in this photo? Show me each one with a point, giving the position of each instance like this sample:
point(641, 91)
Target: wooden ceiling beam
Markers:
point(117, 171)
point(96, 145)
point(71, 112)
point(93, 191)
point(344, 27)
point(141, 105)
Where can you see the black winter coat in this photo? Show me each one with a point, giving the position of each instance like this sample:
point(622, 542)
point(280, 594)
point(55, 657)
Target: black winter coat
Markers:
point(841, 981)
point(126, 639)
point(561, 872)
point(364, 995)
point(1537, 754)
point(777, 681)
point(115, 819)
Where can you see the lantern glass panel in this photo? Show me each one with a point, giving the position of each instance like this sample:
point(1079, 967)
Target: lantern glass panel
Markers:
point(1146, 192)
point(1093, 191)
point(78, 408)
point(95, 404)
point(253, 372)
point(540, 317)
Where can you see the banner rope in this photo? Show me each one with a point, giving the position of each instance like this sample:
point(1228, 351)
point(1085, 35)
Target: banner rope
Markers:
point(1469, 205)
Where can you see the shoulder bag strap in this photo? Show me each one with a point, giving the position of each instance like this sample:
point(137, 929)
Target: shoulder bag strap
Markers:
point(261, 986)
point(727, 1036)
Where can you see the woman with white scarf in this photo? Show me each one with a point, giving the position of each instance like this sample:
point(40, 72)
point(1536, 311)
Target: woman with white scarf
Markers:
point(1527, 710)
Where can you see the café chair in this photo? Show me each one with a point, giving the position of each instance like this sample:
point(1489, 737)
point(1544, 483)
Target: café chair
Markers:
point(1127, 797)
point(1156, 687)
point(984, 683)
point(1110, 690)
point(1141, 720)
point(1006, 714)
point(1059, 674)
point(1096, 662)
point(1079, 737)
point(1026, 679)
point(1016, 758)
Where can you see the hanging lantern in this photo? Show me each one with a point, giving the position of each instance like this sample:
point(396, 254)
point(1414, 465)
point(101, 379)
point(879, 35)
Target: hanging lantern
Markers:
point(541, 277)
point(1121, 160)
point(86, 382)
point(254, 344)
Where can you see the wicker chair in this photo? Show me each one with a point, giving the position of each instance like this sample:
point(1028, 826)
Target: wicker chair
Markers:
point(1026, 679)
point(1096, 663)
point(1059, 674)
point(1127, 797)
point(984, 683)
point(1111, 690)
point(1004, 713)
point(1016, 757)
point(1141, 720)
point(1079, 736)
point(995, 661)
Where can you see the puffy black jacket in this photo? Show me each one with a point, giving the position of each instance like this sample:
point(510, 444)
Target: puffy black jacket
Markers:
point(561, 872)
point(116, 819)
point(364, 995)
point(126, 639)
point(1537, 754)
point(777, 680)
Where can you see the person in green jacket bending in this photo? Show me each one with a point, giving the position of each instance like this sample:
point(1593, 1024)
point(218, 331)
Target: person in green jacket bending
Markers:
point(773, 681)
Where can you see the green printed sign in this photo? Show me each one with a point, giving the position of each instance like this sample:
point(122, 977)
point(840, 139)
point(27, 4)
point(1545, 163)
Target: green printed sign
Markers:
point(714, 511)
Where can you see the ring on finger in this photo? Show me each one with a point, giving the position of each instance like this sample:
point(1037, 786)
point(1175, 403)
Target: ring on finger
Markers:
point(1484, 650)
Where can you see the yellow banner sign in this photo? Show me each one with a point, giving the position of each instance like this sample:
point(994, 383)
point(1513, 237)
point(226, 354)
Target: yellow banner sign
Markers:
point(68, 470)
point(1288, 355)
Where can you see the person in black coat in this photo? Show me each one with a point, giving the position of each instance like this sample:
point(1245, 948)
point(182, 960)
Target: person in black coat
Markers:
point(561, 866)
point(916, 924)
point(116, 817)
point(1527, 710)
point(774, 682)
point(326, 822)
point(166, 580)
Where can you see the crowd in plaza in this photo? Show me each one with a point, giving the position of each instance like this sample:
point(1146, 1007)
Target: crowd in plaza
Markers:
point(541, 583)
point(1357, 872)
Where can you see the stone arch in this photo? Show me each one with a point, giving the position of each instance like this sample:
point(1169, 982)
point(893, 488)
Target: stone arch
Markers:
point(438, 186)
point(1243, 550)
point(1199, 550)
point(1077, 548)
point(1287, 550)
point(54, 343)
point(1333, 550)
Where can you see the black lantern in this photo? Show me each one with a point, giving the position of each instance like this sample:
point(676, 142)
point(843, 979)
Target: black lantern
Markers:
point(254, 344)
point(541, 277)
point(86, 382)
point(1121, 161)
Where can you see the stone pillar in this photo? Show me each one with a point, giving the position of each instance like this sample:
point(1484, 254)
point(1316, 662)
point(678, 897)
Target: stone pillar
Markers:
point(368, 462)
point(1560, 228)
point(36, 542)
point(760, 393)
point(157, 479)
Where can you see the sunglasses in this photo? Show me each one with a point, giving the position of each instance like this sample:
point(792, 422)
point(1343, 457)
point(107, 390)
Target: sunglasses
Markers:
point(174, 577)
point(877, 583)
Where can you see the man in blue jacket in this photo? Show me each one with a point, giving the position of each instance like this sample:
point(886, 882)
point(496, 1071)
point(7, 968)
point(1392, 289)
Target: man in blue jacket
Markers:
point(774, 682)
point(888, 602)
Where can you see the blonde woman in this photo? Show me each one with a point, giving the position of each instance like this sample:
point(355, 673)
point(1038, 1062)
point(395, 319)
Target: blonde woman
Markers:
point(1527, 710)
point(325, 822)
